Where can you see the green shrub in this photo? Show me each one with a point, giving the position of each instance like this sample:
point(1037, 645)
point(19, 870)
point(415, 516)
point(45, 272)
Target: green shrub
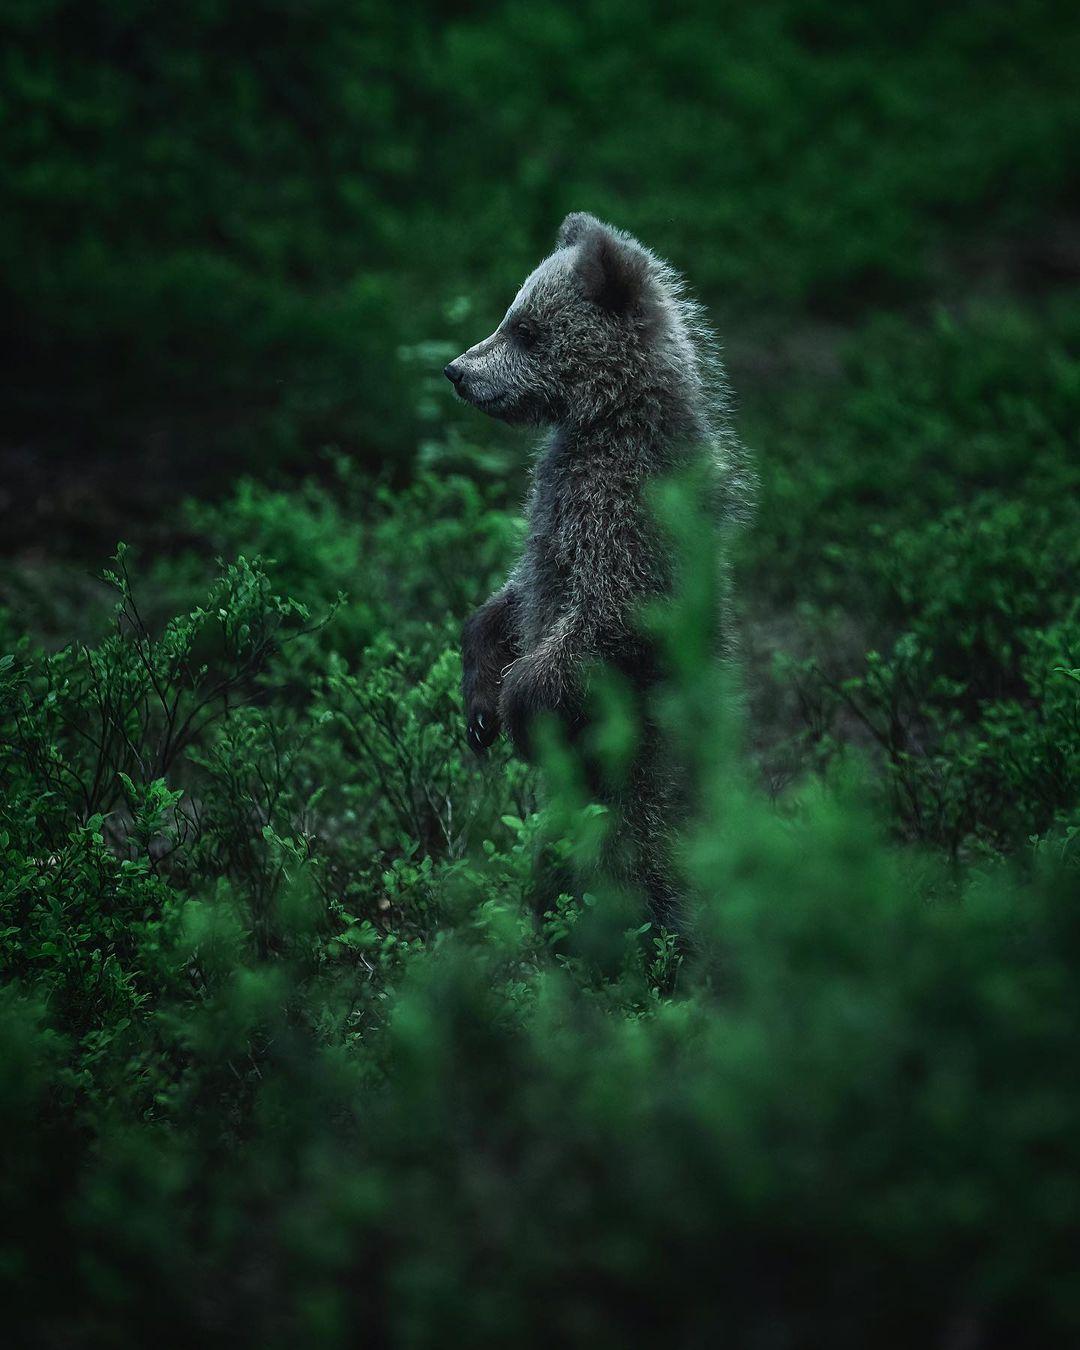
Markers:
point(972, 710)
point(312, 1055)
point(916, 555)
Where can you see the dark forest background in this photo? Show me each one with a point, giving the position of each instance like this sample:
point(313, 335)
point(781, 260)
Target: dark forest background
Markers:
point(299, 1044)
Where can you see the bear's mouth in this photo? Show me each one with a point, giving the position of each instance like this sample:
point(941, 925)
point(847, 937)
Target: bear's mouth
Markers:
point(485, 402)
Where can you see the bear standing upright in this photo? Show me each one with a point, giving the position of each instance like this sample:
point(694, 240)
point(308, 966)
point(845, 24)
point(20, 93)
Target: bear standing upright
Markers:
point(602, 344)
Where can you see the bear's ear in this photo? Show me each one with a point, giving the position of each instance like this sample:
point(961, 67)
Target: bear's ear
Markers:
point(574, 228)
point(613, 271)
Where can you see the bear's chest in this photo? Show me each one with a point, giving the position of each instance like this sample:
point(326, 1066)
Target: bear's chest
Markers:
point(549, 562)
point(577, 508)
point(569, 497)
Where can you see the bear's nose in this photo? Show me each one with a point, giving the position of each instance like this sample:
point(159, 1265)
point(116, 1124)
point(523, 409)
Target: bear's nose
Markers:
point(453, 372)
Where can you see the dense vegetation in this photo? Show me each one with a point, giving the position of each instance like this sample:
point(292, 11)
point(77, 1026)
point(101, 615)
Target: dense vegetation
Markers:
point(300, 1043)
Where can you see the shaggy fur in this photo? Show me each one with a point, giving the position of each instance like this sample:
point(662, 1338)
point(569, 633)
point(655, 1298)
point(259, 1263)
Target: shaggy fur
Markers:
point(602, 344)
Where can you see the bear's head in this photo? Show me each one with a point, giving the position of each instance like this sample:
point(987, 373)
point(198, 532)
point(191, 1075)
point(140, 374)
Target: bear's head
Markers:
point(578, 336)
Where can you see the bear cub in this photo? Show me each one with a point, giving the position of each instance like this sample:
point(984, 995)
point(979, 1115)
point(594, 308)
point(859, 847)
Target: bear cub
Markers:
point(603, 346)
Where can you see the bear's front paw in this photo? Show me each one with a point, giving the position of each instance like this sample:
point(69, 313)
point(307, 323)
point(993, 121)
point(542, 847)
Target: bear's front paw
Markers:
point(481, 727)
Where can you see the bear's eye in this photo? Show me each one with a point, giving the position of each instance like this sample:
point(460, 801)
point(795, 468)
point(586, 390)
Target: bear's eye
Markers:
point(524, 332)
